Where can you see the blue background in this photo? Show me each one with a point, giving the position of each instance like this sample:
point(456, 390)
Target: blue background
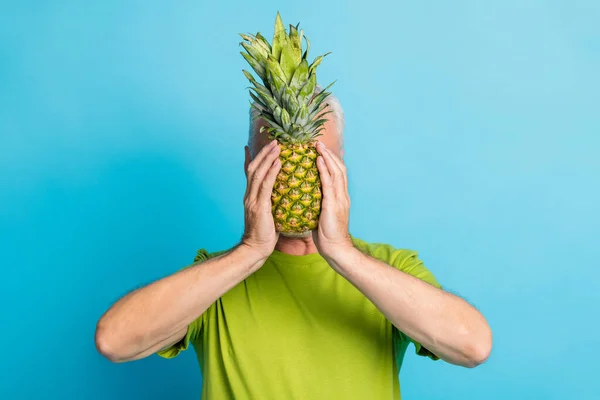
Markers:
point(473, 136)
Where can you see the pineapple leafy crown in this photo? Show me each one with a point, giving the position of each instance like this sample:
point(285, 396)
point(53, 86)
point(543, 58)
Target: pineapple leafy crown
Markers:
point(286, 97)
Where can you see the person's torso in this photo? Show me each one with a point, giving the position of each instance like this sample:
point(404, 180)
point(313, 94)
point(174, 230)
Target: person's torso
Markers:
point(296, 329)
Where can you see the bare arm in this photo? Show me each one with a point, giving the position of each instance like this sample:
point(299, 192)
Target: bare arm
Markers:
point(158, 315)
point(443, 323)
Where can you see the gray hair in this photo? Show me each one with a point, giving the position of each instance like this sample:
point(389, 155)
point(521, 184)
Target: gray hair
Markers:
point(334, 105)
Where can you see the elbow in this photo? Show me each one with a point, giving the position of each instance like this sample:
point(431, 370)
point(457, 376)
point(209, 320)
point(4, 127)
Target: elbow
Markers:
point(479, 349)
point(106, 344)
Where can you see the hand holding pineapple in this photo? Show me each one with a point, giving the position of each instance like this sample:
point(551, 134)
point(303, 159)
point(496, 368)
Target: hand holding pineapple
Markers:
point(331, 236)
point(259, 228)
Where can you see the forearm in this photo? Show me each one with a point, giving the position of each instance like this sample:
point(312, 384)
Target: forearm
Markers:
point(443, 323)
point(147, 319)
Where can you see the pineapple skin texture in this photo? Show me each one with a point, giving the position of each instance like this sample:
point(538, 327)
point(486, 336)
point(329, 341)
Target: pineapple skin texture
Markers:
point(296, 196)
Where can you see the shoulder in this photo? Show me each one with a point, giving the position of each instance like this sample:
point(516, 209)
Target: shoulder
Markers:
point(384, 251)
point(405, 260)
point(203, 255)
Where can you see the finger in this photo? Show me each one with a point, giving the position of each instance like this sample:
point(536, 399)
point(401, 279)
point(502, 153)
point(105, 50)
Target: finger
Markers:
point(334, 169)
point(253, 165)
point(326, 180)
point(246, 159)
point(341, 166)
point(266, 187)
point(256, 178)
point(334, 157)
point(339, 162)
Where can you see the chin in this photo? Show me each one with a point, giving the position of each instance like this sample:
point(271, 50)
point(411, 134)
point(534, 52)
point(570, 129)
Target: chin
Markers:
point(296, 234)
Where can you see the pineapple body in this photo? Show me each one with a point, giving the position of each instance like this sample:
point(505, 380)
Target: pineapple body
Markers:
point(296, 197)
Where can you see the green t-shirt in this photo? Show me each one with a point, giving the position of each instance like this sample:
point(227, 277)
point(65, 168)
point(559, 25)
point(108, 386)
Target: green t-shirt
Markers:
point(296, 329)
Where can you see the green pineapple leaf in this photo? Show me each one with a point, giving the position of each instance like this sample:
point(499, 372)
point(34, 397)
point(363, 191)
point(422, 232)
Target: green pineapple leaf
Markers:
point(295, 116)
point(299, 78)
point(272, 123)
point(302, 116)
point(305, 55)
point(264, 41)
point(263, 45)
point(256, 52)
point(277, 115)
point(248, 75)
point(257, 108)
point(287, 138)
point(314, 113)
point(280, 37)
point(316, 124)
point(323, 114)
point(250, 38)
point(291, 102)
point(321, 96)
point(295, 43)
point(265, 95)
point(256, 66)
point(318, 101)
point(317, 133)
point(259, 86)
point(289, 62)
point(247, 37)
point(285, 120)
point(275, 133)
point(276, 84)
point(316, 62)
point(300, 36)
point(274, 67)
point(308, 89)
point(258, 100)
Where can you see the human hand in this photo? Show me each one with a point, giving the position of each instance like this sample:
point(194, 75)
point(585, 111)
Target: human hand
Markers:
point(259, 227)
point(332, 236)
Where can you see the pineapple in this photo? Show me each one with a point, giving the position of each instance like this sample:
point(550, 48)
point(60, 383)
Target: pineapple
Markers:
point(286, 101)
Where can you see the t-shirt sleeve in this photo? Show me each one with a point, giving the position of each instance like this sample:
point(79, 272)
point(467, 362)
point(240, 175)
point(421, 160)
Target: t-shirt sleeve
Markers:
point(408, 262)
point(193, 332)
point(193, 329)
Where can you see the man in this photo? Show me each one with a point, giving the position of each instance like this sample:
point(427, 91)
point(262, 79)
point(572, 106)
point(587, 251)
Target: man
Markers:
point(322, 315)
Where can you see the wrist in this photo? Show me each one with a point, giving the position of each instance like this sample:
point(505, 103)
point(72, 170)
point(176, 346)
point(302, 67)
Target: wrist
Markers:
point(342, 256)
point(254, 258)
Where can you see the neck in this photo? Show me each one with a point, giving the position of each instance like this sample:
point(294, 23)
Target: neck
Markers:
point(296, 246)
